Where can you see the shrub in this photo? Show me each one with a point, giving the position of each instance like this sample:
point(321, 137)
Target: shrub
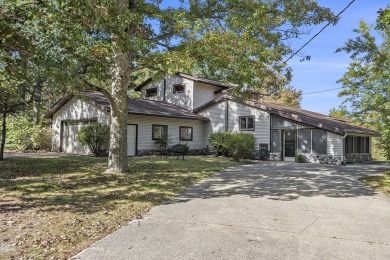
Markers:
point(41, 138)
point(241, 145)
point(300, 158)
point(219, 142)
point(96, 137)
point(237, 145)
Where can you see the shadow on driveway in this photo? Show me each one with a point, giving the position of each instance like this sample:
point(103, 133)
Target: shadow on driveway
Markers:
point(286, 181)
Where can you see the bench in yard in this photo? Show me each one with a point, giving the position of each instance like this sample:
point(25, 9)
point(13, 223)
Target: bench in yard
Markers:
point(174, 150)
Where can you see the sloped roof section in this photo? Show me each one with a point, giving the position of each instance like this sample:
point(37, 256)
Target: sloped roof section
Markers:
point(136, 106)
point(224, 85)
point(302, 116)
point(217, 83)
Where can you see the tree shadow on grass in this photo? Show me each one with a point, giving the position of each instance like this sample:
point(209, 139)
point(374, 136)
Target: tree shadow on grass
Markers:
point(79, 184)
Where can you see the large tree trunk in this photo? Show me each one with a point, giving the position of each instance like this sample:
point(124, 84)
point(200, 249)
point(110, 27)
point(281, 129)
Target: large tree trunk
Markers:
point(3, 132)
point(117, 158)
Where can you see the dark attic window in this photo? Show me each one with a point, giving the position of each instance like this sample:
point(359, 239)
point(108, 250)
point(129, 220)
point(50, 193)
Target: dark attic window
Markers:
point(151, 92)
point(178, 88)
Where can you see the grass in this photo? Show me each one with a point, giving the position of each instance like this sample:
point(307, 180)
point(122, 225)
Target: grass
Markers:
point(379, 182)
point(53, 207)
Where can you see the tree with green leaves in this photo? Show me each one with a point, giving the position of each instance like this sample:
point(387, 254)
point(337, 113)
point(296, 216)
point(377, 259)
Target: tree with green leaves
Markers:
point(108, 44)
point(366, 84)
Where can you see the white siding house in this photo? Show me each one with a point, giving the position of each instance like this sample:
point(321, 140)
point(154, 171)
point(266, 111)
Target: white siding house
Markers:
point(187, 109)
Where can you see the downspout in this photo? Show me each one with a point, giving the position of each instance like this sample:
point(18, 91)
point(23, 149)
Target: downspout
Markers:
point(227, 116)
point(343, 148)
point(165, 85)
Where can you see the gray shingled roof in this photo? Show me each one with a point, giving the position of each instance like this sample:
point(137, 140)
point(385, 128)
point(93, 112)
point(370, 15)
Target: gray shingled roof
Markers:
point(135, 106)
point(313, 119)
point(224, 85)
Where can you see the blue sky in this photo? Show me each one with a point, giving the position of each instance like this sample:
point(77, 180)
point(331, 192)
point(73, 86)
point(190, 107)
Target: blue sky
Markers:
point(325, 66)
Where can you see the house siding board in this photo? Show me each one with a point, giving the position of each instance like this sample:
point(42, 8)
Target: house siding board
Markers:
point(334, 144)
point(145, 123)
point(184, 99)
point(203, 93)
point(75, 109)
point(262, 121)
point(216, 114)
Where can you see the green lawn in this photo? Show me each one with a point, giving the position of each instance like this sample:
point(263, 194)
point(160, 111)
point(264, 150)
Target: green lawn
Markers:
point(379, 182)
point(57, 206)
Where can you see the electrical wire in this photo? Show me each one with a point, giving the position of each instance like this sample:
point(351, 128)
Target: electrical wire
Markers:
point(325, 90)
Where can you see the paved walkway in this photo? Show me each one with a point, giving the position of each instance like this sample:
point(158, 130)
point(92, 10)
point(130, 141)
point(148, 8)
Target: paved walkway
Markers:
point(263, 211)
point(31, 155)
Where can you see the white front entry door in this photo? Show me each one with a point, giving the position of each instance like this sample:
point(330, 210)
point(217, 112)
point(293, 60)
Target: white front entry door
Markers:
point(131, 140)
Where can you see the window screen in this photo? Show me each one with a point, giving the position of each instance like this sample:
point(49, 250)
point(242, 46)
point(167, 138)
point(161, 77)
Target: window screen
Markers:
point(319, 145)
point(366, 145)
point(304, 141)
point(349, 145)
point(356, 144)
point(279, 123)
point(276, 141)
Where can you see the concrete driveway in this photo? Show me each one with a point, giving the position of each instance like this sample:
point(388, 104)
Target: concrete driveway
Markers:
point(263, 211)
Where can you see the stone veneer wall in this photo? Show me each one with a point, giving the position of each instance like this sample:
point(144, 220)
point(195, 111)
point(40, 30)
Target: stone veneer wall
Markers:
point(275, 157)
point(329, 159)
point(156, 152)
point(357, 157)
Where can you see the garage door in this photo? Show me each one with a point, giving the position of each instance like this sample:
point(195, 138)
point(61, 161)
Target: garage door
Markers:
point(131, 140)
point(70, 143)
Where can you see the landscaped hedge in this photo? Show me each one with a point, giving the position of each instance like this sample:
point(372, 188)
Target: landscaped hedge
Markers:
point(237, 145)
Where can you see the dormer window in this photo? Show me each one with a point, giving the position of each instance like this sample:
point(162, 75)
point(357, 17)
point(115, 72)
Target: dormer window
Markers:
point(178, 88)
point(151, 92)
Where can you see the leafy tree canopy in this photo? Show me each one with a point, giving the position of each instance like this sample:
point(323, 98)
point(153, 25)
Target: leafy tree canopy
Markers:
point(106, 45)
point(366, 84)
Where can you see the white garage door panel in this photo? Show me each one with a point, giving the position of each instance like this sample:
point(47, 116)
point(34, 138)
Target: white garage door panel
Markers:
point(131, 140)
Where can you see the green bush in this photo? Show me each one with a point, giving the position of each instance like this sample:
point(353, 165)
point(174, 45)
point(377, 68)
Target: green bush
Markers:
point(300, 158)
point(241, 145)
point(219, 142)
point(41, 138)
point(237, 145)
point(96, 137)
point(23, 135)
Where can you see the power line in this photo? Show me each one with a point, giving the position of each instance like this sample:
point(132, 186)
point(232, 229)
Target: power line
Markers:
point(320, 91)
point(323, 28)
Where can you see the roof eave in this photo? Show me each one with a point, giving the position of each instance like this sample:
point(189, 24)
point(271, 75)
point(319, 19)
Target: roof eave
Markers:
point(58, 105)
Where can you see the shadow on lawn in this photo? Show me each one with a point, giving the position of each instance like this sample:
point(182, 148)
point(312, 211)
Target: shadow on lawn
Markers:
point(286, 181)
point(79, 184)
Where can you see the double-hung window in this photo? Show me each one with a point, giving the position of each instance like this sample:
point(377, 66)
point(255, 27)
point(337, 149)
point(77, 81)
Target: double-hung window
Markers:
point(178, 88)
point(186, 133)
point(247, 123)
point(159, 131)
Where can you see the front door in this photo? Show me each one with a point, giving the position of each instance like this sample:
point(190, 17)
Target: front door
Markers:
point(131, 140)
point(289, 145)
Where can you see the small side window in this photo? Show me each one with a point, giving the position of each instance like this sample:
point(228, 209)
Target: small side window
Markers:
point(186, 133)
point(159, 131)
point(178, 88)
point(151, 92)
point(247, 123)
